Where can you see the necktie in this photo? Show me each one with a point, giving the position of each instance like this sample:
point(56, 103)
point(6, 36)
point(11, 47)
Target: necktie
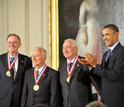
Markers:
point(13, 67)
point(108, 54)
point(69, 65)
point(37, 74)
point(11, 59)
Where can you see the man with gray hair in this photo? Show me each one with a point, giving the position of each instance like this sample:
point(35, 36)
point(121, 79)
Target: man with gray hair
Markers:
point(41, 82)
point(74, 77)
point(13, 65)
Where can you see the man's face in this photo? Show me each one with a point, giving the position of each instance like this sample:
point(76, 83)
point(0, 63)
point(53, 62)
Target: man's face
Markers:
point(110, 37)
point(37, 58)
point(68, 50)
point(13, 44)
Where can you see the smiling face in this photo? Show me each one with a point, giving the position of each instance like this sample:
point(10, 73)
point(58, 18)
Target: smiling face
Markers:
point(69, 51)
point(13, 44)
point(38, 59)
point(110, 37)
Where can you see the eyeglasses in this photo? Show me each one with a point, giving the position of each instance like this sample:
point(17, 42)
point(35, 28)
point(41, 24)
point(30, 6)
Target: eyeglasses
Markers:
point(35, 56)
point(9, 43)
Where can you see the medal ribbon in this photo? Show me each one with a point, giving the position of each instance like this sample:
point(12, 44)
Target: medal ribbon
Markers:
point(40, 75)
point(13, 62)
point(98, 96)
point(72, 67)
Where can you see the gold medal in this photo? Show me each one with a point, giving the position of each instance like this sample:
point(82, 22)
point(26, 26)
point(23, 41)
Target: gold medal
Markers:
point(8, 74)
point(36, 87)
point(68, 79)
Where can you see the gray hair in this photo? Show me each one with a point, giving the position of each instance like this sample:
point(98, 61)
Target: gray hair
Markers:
point(74, 43)
point(44, 52)
point(96, 104)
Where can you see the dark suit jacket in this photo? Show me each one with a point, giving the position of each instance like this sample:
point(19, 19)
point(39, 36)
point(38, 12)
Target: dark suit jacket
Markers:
point(78, 94)
point(11, 90)
point(47, 93)
point(112, 73)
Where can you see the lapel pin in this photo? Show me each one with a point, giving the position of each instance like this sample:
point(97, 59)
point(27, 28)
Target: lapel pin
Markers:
point(78, 65)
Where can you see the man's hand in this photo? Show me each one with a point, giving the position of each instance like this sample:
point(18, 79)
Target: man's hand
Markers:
point(89, 60)
point(84, 61)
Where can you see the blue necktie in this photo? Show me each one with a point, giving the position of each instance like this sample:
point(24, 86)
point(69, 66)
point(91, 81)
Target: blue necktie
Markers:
point(108, 54)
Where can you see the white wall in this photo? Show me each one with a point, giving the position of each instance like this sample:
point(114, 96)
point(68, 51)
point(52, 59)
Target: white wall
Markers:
point(27, 18)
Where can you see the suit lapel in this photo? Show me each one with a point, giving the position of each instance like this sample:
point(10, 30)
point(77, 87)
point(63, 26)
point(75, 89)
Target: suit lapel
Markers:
point(20, 66)
point(104, 57)
point(114, 51)
point(6, 61)
point(45, 74)
point(75, 68)
point(32, 76)
point(65, 71)
point(111, 55)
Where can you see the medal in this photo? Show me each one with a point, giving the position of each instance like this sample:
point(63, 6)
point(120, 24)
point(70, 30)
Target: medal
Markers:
point(36, 87)
point(69, 71)
point(68, 79)
point(8, 74)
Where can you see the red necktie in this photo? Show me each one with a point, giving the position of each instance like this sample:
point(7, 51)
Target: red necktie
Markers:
point(69, 65)
point(37, 74)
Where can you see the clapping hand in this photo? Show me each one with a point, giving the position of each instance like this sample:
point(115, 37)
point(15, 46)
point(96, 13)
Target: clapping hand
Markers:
point(89, 60)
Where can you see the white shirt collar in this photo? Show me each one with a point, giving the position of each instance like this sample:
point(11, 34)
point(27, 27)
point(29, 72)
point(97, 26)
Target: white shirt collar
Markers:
point(113, 46)
point(40, 68)
point(71, 60)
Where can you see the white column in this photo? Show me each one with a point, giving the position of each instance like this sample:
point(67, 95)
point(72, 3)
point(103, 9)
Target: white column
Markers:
point(3, 25)
point(27, 18)
point(16, 20)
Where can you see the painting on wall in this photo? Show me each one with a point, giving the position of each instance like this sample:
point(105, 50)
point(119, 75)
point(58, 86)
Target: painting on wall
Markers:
point(83, 21)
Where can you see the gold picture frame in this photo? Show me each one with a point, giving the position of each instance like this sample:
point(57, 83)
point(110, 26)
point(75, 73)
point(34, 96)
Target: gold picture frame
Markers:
point(53, 35)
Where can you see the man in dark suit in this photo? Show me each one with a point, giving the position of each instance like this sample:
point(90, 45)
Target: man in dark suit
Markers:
point(75, 81)
point(112, 68)
point(41, 82)
point(12, 74)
